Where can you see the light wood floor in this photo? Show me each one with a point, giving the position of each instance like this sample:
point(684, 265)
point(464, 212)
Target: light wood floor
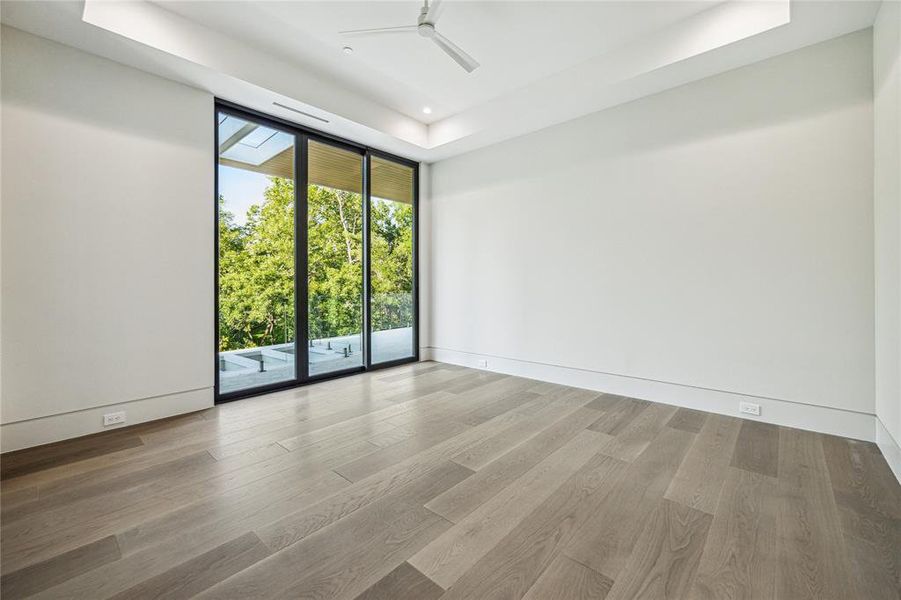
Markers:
point(432, 481)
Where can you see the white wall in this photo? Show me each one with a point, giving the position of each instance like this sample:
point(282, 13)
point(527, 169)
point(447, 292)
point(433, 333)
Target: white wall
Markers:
point(700, 245)
point(107, 231)
point(423, 232)
point(887, 90)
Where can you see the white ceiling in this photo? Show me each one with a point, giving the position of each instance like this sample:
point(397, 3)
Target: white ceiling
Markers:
point(543, 62)
point(516, 43)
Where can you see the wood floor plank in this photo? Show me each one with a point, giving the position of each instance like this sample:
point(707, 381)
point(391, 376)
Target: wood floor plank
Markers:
point(489, 410)
point(739, 560)
point(812, 561)
point(68, 527)
point(619, 415)
point(476, 457)
point(873, 547)
point(46, 574)
point(514, 565)
point(22, 462)
point(231, 433)
point(224, 429)
point(231, 448)
point(565, 579)
point(604, 403)
point(391, 436)
point(152, 552)
point(687, 419)
point(474, 491)
point(464, 382)
point(860, 477)
point(294, 527)
point(193, 576)
point(757, 448)
point(630, 441)
point(700, 477)
point(243, 503)
point(108, 467)
point(446, 558)
point(327, 398)
point(121, 461)
point(374, 539)
point(445, 406)
point(138, 479)
point(403, 583)
point(245, 500)
point(545, 387)
point(367, 425)
point(17, 497)
point(427, 408)
point(607, 540)
point(424, 437)
point(374, 558)
point(278, 415)
point(394, 376)
point(868, 499)
point(493, 388)
point(666, 555)
point(460, 381)
point(478, 381)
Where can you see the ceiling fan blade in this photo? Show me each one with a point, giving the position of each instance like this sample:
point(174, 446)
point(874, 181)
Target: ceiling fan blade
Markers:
point(376, 30)
point(456, 53)
point(434, 9)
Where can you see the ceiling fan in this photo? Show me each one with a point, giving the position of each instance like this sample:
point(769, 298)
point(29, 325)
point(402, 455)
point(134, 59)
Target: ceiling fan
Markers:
point(425, 27)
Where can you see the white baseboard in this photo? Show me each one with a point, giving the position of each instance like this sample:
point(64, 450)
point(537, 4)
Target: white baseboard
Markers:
point(859, 426)
point(44, 430)
point(890, 448)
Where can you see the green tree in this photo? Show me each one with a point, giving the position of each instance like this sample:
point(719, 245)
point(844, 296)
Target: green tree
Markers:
point(256, 271)
point(392, 264)
point(256, 267)
point(335, 261)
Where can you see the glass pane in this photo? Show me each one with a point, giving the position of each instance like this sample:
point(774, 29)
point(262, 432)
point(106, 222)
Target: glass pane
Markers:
point(256, 255)
point(391, 260)
point(335, 258)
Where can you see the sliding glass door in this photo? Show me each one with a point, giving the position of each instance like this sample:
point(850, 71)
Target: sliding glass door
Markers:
point(256, 257)
point(335, 258)
point(316, 256)
point(391, 235)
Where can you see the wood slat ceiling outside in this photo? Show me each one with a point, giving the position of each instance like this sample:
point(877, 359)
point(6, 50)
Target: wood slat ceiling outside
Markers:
point(391, 180)
point(341, 170)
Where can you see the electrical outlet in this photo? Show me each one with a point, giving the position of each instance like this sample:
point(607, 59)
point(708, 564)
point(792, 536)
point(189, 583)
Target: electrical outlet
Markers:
point(483, 363)
point(116, 418)
point(749, 408)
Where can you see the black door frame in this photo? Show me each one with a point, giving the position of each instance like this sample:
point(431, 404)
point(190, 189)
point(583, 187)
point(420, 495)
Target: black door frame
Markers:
point(302, 137)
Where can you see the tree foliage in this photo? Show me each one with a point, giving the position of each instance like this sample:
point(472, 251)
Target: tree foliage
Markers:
point(256, 267)
point(391, 264)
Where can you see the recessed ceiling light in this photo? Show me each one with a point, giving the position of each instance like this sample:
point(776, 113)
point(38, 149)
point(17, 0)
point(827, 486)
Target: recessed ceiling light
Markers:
point(427, 110)
point(348, 50)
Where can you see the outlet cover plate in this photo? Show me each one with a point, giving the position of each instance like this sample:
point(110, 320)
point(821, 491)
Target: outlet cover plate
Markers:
point(116, 418)
point(749, 408)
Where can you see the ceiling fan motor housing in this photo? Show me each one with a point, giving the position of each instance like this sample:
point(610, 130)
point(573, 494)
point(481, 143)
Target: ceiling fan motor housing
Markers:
point(426, 30)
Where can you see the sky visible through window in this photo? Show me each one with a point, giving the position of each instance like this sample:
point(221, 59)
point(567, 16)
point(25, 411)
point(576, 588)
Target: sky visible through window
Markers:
point(241, 189)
